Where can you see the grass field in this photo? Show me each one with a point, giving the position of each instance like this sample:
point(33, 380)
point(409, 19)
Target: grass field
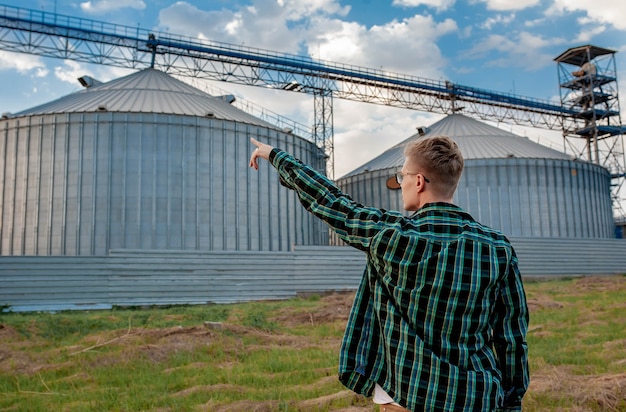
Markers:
point(282, 355)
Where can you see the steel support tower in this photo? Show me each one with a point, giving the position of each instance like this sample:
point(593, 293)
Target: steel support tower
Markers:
point(588, 84)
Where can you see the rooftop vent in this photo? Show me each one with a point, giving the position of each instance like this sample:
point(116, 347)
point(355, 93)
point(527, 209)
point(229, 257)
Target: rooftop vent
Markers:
point(228, 98)
point(422, 130)
point(88, 81)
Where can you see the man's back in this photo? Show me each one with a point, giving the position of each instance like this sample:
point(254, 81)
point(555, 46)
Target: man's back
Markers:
point(436, 279)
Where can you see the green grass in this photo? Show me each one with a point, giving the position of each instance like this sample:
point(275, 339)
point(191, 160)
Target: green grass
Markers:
point(282, 355)
point(577, 345)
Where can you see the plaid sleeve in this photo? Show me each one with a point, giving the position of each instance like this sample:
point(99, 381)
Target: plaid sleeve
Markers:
point(354, 223)
point(510, 337)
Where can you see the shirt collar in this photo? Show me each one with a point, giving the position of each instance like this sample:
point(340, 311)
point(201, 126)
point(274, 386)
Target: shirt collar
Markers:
point(440, 207)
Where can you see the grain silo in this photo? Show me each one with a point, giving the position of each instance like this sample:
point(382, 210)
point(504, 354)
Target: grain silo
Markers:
point(510, 183)
point(144, 162)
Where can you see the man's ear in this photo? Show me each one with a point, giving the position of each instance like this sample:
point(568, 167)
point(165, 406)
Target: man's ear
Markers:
point(420, 183)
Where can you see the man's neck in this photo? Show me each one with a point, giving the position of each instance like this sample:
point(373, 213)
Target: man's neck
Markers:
point(434, 199)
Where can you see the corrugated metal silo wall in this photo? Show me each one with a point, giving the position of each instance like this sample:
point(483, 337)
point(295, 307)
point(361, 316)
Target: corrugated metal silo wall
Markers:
point(82, 184)
point(539, 197)
point(370, 189)
point(520, 197)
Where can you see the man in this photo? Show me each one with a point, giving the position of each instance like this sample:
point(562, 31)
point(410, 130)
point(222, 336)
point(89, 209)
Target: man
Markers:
point(440, 317)
point(586, 76)
point(587, 69)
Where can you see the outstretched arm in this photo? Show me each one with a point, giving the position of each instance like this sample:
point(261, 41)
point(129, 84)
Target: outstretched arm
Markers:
point(354, 223)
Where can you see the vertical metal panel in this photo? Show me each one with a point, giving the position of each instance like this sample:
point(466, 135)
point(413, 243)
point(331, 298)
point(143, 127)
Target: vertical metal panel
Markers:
point(59, 184)
point(9, 194)
point(103, 182)
point(83, 183)
point(32, 192)
point(161, 183)
point(117, 187)
point(46, 189)
point(520, 197)
point(564, 198)
point(152, 277)
point(9, 158)
point(4, 138)
point(85, 215)
point(71, 200)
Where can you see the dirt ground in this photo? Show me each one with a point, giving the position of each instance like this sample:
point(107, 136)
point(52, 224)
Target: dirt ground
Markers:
point(19, 354)
point(606, 391)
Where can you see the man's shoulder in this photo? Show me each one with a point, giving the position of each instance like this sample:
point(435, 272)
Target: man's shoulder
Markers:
point(494, 235)
point(451, 218)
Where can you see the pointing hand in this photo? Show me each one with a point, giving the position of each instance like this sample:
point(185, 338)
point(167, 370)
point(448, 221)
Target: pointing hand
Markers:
point(262, 150)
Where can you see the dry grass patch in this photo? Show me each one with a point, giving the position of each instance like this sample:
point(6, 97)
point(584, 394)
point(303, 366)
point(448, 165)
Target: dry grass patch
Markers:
point(282, 356)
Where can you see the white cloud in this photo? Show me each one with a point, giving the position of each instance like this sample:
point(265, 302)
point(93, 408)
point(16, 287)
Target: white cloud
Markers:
point(509, 5)
point(233, 26)
point(103, 6)
point(522, 50)
point(337, 40)
point(586, 35)
point(361, 131)
point(23, 63)
point(466, 32)
point(71, 71)
point(266, 24)
point(364, 131)
point(533, 43)
point(378, 46)
point(535, 22)
point(610, 11)
point(298, 9)
point(258, 26)
point(437, 4)
point(498, 19)
point(324, 34)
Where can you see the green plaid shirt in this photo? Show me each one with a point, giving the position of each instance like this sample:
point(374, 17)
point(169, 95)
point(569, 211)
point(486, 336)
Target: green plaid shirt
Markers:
point(440, 317)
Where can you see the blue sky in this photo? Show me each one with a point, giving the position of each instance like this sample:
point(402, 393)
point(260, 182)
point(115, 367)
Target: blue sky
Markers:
point(501, 45)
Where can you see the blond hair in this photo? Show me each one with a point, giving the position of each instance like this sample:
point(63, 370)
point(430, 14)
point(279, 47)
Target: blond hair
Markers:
point(440, 159)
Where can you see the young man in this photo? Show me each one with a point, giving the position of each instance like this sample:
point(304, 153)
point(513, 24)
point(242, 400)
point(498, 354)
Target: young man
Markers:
point(439, 320)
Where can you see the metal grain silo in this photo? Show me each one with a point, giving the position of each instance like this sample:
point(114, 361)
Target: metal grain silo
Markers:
point(144, 162)
point(510, 183)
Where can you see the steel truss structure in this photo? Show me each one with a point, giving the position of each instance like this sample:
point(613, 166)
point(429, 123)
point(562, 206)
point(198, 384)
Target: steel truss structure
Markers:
point(65, 37)
point(588, 83)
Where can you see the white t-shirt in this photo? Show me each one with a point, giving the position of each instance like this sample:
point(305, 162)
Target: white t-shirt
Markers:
point(589, 68)
point(381, 397)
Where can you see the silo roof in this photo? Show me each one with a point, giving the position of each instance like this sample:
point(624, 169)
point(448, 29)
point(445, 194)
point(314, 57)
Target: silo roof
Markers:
point(477, 140)
point(146, 91)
